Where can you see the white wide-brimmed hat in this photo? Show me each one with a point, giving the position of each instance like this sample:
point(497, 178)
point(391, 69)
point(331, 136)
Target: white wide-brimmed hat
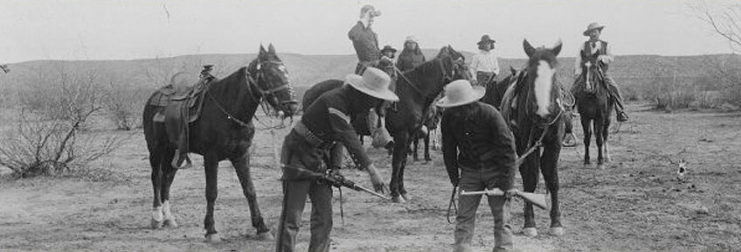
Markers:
point(460, 92)
point(374, 82)
point(593, 26)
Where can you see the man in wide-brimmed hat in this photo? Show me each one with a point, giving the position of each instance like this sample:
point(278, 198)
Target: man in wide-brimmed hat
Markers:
point(479, 153)
point(597, 52)
point(325, 123)
point(484, 64)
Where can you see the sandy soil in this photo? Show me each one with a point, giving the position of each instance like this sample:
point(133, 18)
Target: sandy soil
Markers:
point(635, 204)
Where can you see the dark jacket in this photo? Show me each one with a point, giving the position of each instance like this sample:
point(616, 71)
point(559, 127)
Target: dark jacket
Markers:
point(329, 119)
point(365, 42)
point(475, 136)
point(409, 59)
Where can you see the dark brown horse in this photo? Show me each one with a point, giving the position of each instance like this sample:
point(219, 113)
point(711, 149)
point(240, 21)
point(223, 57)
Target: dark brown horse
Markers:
point(224, 131)
point(430, 123)
point(595, 106)
point(534, 112)
point(417, 89)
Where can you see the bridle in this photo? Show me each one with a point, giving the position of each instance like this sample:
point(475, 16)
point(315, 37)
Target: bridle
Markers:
point(446, 76)
point(253, 84)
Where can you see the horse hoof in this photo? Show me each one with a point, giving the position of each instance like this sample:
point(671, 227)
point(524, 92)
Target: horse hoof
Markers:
point(398, 199)
point(530, 232)
point(213, 238)
point(557, 231)
point(406, 197)
point(170, 223)
point(155, 224)
point(265, 236)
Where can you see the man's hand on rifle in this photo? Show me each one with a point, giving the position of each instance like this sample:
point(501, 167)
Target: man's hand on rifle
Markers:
point(376, 180)
point(510, 193)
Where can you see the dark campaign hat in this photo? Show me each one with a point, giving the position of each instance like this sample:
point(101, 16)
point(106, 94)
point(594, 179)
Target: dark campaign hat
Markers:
point(388, 48)
point(486, 39)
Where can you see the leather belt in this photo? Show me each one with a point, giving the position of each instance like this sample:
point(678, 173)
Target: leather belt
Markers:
point(310, 137)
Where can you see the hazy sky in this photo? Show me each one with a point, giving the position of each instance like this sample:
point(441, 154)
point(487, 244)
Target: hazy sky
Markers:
point(128, 29)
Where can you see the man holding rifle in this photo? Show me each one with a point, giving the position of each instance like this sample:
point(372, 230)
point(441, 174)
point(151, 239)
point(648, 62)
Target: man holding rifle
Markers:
point(305, 155)
point(479, 153)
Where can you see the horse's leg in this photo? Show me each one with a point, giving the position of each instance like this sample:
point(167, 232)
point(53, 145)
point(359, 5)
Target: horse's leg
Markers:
point(427, 147)
point(155, 160)
point(211, 166)
point(401, 144)
point(169, 176)
point(415, 150)
point(402, 188)
point(242, 167)
point(530, 177)
point(598, 128)
point(587, 129)
point(605, 140)
point(549, 168)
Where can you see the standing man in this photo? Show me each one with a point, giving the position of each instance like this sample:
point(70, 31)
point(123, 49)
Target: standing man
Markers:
point(596, 51)
point(325, 123)
point(365, 40)
point(479, 153)
point(484, 65)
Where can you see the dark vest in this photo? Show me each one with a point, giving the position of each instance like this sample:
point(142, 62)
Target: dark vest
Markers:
point(587, 56)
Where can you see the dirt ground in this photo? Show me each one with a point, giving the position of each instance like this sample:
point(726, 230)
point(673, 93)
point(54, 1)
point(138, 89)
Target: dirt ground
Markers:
point(635, 204)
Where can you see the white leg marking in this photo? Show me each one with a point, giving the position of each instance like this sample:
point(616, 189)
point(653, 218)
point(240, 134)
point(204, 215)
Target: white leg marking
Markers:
point(543, 86)
point(166, 210)
point(157, 214)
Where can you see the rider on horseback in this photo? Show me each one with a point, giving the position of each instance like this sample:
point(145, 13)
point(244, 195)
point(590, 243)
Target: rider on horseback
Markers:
point(484, 65)
point(597, 52)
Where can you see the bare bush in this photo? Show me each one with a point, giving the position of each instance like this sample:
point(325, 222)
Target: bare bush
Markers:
point(47, 138)
point(123, 104)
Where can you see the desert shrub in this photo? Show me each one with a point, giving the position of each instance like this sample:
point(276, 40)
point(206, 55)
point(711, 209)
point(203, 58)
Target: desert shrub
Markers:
point(47, 137)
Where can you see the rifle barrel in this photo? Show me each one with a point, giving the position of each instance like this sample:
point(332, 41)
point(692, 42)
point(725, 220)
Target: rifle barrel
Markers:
point(360, 188)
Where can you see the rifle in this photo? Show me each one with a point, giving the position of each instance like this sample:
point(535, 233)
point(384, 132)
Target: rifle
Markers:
point(539, 200)
point(334, 178)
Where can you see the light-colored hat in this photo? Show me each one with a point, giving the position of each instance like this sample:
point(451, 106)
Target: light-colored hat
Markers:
point(593, 26)
point(367, 8)
point(460, 92)
point(374, 82)
point(411, 38)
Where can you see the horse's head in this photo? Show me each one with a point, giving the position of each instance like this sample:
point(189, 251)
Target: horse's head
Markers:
point(454, 64)
point(541, 79)
point(271, 79)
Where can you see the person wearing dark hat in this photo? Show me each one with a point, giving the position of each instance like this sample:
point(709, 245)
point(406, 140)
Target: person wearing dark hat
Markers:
point(411, 56)
point(387, 64)
point(596, 51)
point(365, 40)
point(324, 123)
point(485, 64)
point(388, 51)
point(206, 73)
point(479, 153)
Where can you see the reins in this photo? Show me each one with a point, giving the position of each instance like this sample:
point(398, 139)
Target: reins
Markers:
point(414, 86)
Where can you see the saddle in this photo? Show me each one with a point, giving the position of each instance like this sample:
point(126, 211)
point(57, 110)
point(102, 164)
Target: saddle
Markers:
point(180, 108)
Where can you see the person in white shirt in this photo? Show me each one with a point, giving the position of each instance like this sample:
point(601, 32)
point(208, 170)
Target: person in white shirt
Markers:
point(596, 51)
point(484, 66)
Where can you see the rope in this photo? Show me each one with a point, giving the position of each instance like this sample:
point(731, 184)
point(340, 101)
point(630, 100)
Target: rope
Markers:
point(342, 209)
point(452, 205)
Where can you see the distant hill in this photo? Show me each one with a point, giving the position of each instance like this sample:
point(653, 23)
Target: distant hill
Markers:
point(306, 70)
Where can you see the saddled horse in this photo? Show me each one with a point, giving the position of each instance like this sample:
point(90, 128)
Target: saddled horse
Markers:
point(595, 106)
point(417, 89)
point(495, 89)
point(532, 107)
point(223, 131)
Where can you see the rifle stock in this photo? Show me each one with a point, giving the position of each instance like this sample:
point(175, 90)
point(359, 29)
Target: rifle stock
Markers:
point(539, 200)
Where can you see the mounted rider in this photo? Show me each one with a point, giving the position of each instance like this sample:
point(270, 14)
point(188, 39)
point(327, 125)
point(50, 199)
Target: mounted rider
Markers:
point(484, 65)
point(597, 52)
point(365, 42)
